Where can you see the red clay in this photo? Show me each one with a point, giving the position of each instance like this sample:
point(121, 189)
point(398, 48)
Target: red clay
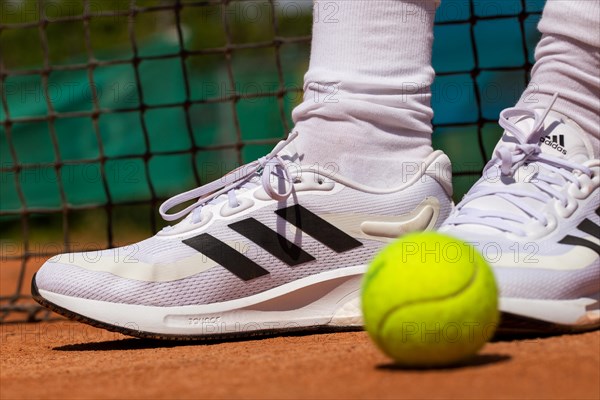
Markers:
point(69, 360)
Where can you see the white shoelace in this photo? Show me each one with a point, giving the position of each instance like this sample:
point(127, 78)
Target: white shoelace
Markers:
point(264, 167)
point(552, 171)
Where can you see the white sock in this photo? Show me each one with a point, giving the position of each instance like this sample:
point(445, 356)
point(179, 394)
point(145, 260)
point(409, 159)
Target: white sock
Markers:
point(568, 62)
point(367, 92)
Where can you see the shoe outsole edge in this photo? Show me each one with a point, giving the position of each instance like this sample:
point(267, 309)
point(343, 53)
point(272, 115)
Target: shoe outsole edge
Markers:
point(510, 324)
point(518, 324)
point(35, 293)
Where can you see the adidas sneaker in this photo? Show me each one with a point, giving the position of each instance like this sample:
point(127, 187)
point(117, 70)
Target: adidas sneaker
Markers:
point(535, 216)
point(273, 246)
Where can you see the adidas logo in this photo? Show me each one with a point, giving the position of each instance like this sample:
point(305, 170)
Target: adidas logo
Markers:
point(557, 142)
point(272, 242)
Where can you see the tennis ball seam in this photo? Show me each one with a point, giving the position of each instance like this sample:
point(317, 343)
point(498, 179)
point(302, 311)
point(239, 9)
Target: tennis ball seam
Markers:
point(421, 301)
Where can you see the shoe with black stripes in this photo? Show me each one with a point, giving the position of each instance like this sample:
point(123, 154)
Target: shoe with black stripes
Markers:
point(535, 216)
point(273, 246)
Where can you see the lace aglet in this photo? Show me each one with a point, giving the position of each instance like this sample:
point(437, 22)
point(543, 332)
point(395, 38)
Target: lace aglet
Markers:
point(540, 122)
point(552, 102)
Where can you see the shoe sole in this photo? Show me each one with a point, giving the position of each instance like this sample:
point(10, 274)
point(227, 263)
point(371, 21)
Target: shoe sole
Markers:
point(549, 316)
point(326, 302)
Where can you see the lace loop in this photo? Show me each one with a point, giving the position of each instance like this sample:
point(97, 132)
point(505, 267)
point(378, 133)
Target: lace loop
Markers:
point(525, 137)
point(271, 164)
point(554, 172)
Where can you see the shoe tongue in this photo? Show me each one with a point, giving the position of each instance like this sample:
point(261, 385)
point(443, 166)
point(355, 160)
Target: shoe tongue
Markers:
point(290, 155)
point(561, 137)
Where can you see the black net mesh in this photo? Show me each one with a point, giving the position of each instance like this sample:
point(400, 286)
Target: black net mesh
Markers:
point(109, 107)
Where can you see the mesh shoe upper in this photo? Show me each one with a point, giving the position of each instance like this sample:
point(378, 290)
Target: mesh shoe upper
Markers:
point(538, 193)
point(165, 271)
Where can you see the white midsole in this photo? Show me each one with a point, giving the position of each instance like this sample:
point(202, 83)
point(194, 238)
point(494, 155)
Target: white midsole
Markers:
point(577, 312)
point(330, 298)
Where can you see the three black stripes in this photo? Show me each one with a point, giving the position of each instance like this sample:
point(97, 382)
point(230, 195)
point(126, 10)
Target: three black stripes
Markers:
point(272, 242)
point(313, 225)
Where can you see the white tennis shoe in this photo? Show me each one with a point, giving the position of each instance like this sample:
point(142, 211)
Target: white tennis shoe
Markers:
point(273, 246)
point(535, 215)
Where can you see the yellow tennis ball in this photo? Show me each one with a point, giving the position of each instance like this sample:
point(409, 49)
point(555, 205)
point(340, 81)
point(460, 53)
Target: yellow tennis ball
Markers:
point(429, 300)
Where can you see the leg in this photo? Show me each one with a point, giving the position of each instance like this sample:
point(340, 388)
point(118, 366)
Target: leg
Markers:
point(568, 62)
point(367, 99)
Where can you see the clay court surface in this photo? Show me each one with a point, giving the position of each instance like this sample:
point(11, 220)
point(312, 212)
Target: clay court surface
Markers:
point(65, 359)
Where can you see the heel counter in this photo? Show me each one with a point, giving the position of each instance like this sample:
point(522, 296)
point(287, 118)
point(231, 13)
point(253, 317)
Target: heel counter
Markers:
point(440, 169)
